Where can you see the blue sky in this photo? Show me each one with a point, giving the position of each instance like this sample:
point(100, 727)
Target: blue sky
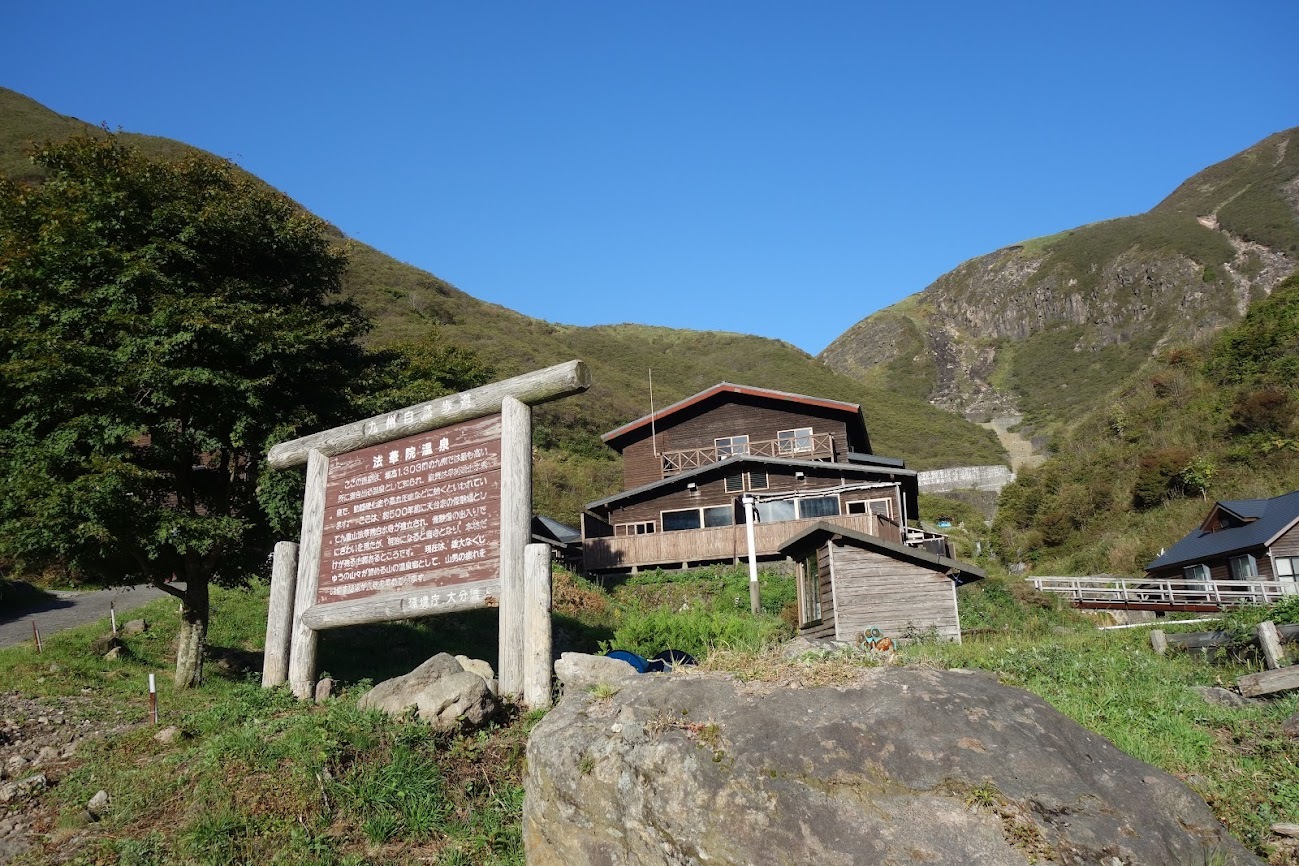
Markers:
point(771, 168)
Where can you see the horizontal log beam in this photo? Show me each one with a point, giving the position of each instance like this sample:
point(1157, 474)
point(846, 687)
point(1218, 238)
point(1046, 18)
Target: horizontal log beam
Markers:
point(1267, 682)
point(539, 386)
point(391, 606)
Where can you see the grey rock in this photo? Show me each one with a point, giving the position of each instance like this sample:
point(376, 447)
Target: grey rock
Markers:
point(135, 626)
point(442, 692)
point(47, 754)
point(579, 671)
point(906, 766)
point(1222, 697)
point(170, 734)
point(324, 690)
point(98, 805)
point(22, 789)
point(480, 667)
point(1290, 727)
point(113, 655)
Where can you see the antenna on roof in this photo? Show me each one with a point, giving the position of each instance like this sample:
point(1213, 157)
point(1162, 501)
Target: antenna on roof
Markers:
point(653, 441)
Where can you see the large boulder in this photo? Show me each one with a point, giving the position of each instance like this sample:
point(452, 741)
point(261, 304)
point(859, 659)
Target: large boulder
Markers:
point(905, 766)
point(441, 691)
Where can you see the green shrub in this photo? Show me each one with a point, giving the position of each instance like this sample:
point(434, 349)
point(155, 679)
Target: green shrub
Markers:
point(697, 631)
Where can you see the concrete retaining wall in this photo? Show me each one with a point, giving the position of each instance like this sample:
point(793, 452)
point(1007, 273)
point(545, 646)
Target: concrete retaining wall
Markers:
point(965, 478)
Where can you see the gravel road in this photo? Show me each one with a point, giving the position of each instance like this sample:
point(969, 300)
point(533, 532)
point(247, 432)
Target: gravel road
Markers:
point(69, 609)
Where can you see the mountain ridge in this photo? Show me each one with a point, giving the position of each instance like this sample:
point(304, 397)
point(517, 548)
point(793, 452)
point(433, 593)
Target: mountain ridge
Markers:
point(1046, 326)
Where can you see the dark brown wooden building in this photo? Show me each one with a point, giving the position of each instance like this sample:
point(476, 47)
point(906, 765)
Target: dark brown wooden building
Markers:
point(850, 582)
point(1239, 540)
point(687, 469)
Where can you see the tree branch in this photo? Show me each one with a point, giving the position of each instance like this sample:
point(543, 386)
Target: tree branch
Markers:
point(169, 589)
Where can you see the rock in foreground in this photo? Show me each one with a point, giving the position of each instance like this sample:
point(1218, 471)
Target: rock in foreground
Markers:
point(908, 766)
point(441, 692)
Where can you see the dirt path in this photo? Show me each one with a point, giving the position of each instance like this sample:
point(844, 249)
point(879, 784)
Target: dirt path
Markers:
point(70, 609)
point(1019, 448)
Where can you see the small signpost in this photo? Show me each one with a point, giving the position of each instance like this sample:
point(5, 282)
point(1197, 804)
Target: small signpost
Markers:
point(424, 510)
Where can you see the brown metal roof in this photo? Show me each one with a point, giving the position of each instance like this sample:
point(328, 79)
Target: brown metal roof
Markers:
point(728, 388)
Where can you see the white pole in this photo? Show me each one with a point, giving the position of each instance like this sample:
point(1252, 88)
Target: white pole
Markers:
point(755, 600)
point(153, 700)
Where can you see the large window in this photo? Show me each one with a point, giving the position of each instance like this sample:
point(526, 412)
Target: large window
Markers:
point(819, 506)
point(1199, 574)
point(1242, 567)
point(798, 441)
point(1287, 574)
point(729, 446)
point(698, 518)
point(803, 508)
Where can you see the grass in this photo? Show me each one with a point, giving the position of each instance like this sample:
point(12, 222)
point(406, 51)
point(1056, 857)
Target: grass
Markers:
point(260, 777)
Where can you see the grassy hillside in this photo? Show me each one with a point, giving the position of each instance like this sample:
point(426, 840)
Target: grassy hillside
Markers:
point(1050, 326)
point(411, 305)
point(1215, 422)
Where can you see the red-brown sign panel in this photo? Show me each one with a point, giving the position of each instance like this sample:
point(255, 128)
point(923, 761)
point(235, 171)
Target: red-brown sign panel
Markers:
point(422, 512)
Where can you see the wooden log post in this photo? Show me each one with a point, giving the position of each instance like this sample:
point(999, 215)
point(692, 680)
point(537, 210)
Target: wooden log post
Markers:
point(537, 643)
point(516, 531)
point(279, 614)
point(302, 655)
point(1270, 642)
point(1158, 641)
point(1267, 682)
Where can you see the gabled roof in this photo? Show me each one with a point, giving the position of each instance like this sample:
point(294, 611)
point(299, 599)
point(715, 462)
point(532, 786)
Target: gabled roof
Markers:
point(1267, 520)
point(738, 463)
point(817, 533)
point(549, 529)
point(728, 388)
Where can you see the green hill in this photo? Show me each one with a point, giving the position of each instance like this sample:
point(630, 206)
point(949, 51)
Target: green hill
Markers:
point(408, 304)
point(1049, 327)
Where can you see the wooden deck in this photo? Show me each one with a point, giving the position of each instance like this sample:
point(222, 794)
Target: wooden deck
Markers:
point(818, 446)
point(719, 544)
point(1105, 592)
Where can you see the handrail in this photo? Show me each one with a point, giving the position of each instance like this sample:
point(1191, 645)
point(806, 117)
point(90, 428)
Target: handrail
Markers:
point(1125, 591)
point(820, 445)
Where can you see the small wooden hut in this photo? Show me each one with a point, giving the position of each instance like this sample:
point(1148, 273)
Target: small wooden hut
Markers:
point(850, 582)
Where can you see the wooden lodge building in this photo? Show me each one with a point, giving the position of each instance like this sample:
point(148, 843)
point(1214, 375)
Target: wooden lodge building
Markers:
point(1239, 540)
point(688, 467)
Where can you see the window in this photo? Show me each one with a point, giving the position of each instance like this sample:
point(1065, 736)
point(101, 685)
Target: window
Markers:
point(809, 589)
point(758, 479)
point(1198, 577)
point(882, 507)
point(798, 441)
point(734, 483)
point(1242, 567)
point(820, 506)
point(675, 521)
point(1287, 574)
point(719, 515)
point(643, 528)
point(729, 446)
point(774, 512)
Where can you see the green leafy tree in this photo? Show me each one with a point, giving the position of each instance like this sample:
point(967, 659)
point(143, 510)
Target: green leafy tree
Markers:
point(161, 323)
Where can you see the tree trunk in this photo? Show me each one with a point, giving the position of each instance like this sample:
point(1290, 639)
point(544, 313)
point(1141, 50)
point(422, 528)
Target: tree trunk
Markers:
point(193, 635)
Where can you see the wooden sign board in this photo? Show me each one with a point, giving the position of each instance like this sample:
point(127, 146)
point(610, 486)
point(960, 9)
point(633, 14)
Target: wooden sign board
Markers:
point(418, 513)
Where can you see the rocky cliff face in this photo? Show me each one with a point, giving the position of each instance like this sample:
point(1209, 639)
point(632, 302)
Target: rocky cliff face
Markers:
point(1044, 326)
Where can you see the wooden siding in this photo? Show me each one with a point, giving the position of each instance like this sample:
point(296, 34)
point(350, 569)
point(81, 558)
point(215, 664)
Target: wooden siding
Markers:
point(720, 544)
point(1288, 543)
point(872, 590)
point(780, 479)
point(740, 416)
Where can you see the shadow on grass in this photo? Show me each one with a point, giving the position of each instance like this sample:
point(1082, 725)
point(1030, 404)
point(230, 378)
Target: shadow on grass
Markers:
point(384, 650)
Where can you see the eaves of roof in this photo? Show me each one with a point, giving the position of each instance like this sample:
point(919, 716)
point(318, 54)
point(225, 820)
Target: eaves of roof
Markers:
point(818, 531)
point(727, 387)
point(729, 465)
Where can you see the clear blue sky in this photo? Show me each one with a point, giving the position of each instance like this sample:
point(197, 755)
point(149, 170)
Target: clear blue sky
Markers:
point(781, 169)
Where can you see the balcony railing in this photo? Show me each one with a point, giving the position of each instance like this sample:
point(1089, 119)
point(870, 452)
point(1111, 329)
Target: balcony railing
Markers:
point(817, 446)
point(716, 544)
point(1107, 591)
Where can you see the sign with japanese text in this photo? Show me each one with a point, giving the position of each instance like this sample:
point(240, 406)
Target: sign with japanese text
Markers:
point(419, 513)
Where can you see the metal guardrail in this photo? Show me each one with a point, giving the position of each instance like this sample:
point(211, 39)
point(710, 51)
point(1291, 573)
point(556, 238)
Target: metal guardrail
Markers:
point(1136, 592)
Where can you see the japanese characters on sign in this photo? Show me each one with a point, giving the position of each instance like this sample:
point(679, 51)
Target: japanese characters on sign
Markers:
point(420, 513)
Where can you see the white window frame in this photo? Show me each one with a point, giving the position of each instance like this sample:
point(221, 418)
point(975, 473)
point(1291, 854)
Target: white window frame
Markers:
point(735, 446)
point(866, 506)
point(797, 440)
point(1251, 566)
point(641, 527)
point(766, 480)
point(1286, 569)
